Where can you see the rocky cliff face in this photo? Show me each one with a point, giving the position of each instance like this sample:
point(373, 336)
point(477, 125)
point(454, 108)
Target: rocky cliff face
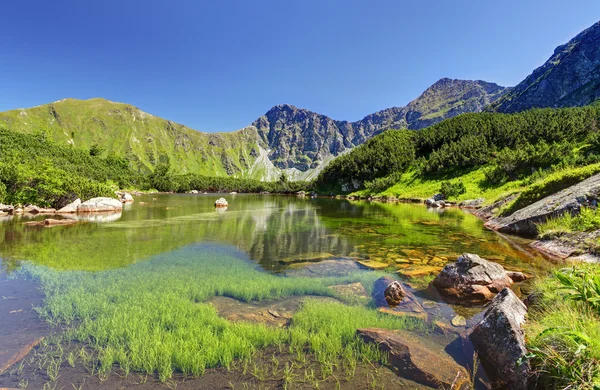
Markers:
point(303, 140)
point(571, 77)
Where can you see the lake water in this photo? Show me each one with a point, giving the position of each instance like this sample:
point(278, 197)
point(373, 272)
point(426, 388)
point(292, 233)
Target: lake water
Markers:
point(263, 249)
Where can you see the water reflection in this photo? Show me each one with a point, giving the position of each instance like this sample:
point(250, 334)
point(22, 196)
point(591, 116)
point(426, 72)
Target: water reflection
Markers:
point(274, 231)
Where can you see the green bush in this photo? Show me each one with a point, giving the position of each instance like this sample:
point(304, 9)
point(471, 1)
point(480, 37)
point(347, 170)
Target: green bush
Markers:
point(513, 146)
point(452, 190)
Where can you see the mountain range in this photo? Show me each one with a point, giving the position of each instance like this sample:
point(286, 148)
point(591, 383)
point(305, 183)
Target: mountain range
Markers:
point(286, 139)
point(296, 141)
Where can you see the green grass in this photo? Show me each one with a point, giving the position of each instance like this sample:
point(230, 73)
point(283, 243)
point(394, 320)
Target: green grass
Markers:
point(152, 316)
point(412, 185)
point(551, 184)
point(143, 139)
point(563, 330)
point(587, 220)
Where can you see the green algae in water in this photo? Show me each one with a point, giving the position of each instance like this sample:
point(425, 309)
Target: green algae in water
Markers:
point(151, 316)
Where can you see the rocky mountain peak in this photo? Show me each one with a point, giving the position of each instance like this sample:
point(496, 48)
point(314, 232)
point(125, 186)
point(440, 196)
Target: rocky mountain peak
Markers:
point(570, 77)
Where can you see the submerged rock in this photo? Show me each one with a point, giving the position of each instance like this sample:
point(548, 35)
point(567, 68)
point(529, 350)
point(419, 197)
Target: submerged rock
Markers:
point(415, 360)
point(221, 202)
point(350, 290)
point(71, 207)
point(500, 340)
point(52, 222)
point(100, 204)
point(473, 280)
point(38, 210)
point(323, 268)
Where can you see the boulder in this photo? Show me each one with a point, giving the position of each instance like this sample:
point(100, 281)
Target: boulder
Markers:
point(471, 203)
point(524, 221)
point(500, 340)
point(100, 204)
point(193, 191)
point(416, 360)
point(221, 202)
point(472, 280)
point(7, 208)
point(301, 193)
point(126, 197)
point(71, 207)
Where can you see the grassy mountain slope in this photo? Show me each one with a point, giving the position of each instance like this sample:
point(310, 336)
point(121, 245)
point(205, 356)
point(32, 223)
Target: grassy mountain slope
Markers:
point(489, 153)
point(141, 138)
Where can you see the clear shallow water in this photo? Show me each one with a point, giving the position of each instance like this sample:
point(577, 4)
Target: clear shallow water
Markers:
point(273, 231)
point(141, 285)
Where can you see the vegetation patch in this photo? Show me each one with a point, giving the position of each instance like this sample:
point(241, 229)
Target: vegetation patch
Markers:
point(151, 317)
point(563, 330)
point(587, 220)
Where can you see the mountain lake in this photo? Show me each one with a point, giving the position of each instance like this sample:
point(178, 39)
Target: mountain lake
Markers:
point(267, 293)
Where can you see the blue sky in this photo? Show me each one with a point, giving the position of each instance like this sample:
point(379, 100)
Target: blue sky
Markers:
point(218, 65)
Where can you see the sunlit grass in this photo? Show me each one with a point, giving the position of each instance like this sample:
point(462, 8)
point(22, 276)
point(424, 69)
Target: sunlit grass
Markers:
point(151, 317)
point(563, 333)
point(588, 219)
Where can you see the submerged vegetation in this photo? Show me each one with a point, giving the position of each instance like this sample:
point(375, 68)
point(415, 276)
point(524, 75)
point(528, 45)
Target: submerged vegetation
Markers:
point(563, 330)
point(152, 316)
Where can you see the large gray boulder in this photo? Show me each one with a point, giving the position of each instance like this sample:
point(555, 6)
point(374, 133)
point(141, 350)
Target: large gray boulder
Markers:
point(100, 204)
point(71, 207)
point(500, 341)
point(416, 359)
point(472, 280)
point(570, 200)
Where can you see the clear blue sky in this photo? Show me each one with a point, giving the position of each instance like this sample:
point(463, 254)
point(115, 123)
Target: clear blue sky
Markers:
point(218, 65)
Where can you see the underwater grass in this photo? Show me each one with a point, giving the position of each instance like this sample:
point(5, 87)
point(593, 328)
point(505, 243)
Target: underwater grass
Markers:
point(151, 317)
point(563, 330)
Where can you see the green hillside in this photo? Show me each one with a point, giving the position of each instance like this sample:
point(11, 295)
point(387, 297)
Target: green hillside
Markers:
point(143, 139)
point(479, 154)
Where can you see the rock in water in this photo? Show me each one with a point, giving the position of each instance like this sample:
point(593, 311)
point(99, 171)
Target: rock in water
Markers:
point(126, 197)
point(394, 294)
point(71, 207)
point(416, 361)
point(221, 202)
point(500, 340)
point(100, 204)
point(38, 210)
point(388, 292)
point(471, 280)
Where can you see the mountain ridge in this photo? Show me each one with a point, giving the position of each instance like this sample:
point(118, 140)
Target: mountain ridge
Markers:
point(570, 77)
point(286, 139)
